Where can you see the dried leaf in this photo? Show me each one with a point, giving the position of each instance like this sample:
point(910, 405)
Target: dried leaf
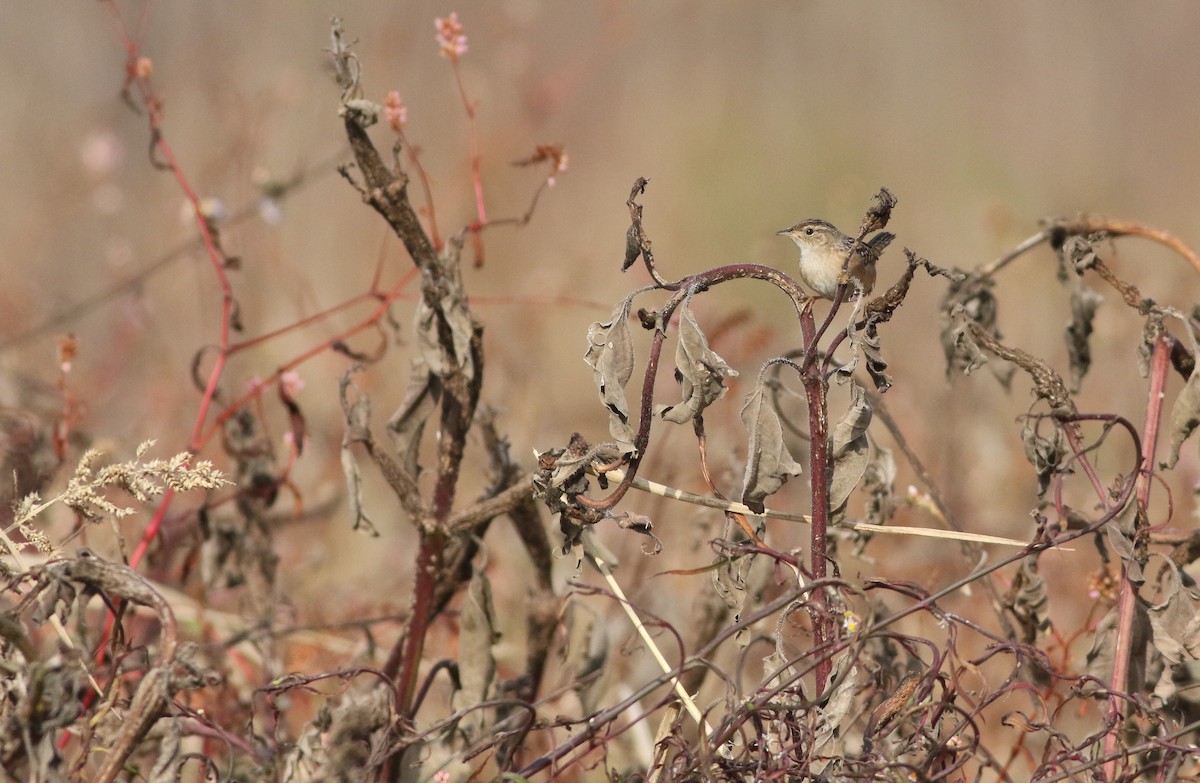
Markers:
point(169, 762)
point(633, 246)
point(778, 668)
point(1028, 601)
point(357, 412)
point(1046, 454)
point(873, 354)
point(833, 714)
point(883, 717)
point(970, 301)
point(849, 449)
point(880, 212)
point(1077, 254)
point(1176, 621)
point(636, 241)
point(879, 481)
point(572, 545)
point(639, 523)
point(1084, 302)
point(700, 372)
point(1185, 416)
point(354, 490)
point(446, 357)
point(476, 659)
point(1104, 646)
point(610, 355)
point(408, 422)
point(357, 725)
point(768, 462)
point(731, 583)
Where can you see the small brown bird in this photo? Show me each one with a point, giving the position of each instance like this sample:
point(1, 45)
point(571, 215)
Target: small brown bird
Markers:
point(823, 251)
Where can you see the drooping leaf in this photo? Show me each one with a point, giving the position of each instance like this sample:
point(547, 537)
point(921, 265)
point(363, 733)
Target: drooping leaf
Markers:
point(1185, 416)
point(879, 481)
point(1084, 302)
point(610, 355)
point(1176, 620)
point(970, 301)
point(408, 422)
point(476, 659)
point(354, 491)
point(873, 354)
point(636, 241)
point(849, 449)
point(445, 357)
point(1104, 647)
point(768, 462)
point(1046, 453)
point(633, 246)
point(832, 714)
point(701, 372)
point(777, 667)
point(1028, 602)
point(735, 582)
point(357, 410)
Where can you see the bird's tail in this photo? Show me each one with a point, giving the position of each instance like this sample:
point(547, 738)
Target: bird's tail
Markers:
point(878, 242)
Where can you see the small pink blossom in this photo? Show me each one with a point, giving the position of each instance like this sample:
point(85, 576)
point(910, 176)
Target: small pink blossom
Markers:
point(291, 382)
point(256, 385)
point(394, 111)
point(450, 37)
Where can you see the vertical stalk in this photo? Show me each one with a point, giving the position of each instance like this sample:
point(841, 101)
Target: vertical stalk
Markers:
point(1127, 602)
point(815, 388)
point(429, 569)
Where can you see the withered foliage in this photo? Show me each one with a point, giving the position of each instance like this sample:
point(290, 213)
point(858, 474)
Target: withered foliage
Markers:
point(800, 662)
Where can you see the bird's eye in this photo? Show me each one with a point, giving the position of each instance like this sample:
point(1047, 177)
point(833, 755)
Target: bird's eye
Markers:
point(810, 231)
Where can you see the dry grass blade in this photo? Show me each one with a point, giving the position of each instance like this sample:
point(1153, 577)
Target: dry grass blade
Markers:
point(663, 490)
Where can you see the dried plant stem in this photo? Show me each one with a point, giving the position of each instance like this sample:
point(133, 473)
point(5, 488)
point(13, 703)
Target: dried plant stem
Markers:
point(816, 390)
point(662, 490)
point(1119, 684)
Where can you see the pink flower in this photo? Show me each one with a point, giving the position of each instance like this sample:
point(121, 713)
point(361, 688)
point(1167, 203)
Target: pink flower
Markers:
point(450, 37)
point(291, 382)
point(394, 111)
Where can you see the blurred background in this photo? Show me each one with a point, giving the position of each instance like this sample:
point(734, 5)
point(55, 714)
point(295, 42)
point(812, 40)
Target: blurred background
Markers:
point(983, 119)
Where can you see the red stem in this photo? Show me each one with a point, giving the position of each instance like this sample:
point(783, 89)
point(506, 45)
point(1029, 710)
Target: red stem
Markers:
point(140, 80)
point(1127, 603)
point(815, 389)
point(476, 178)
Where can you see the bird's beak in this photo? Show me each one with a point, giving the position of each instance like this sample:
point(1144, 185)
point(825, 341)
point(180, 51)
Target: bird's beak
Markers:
point(782, 232)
